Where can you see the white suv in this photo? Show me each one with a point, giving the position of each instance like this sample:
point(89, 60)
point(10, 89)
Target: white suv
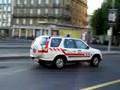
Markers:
point(60, 50)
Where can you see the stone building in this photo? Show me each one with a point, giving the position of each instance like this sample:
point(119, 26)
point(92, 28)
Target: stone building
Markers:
point(32, 18)
point(5, 18)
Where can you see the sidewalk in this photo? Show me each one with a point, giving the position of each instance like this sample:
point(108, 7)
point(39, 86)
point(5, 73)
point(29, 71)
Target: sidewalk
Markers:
point(26, 55)
point(111, 52)
point(14, 56)
point(9, 40)
point(14, 47)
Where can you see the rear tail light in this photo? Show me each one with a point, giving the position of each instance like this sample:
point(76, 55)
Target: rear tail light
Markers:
point(45, 49)
point(34, 51)
point(46, 44)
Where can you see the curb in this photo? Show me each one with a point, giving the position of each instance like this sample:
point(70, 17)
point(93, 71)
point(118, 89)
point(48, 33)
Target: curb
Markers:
point(14, 47)
point(15, 57)
point(111, 53)
point(28, 57)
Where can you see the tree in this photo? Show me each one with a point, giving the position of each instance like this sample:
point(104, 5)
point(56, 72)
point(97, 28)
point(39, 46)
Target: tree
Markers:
point(99, 20)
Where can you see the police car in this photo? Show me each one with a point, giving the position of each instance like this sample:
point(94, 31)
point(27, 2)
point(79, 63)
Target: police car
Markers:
point(60, 50)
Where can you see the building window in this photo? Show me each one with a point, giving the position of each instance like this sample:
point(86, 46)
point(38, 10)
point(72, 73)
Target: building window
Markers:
point(9, 19)
point(24, 11)
point(0, 17)
point(47, 1)
point(4, 17)
point(9, 9)
point(8, 24)
point(4, 24)
point(32, 2)
point(39, 1)
point(0, 23)
point(57, 2)
point(31, 11)
point(31, 21)
point(0, 2)
point(56, 11)
point(5, 8)
point(17, 11)
point(9, 1)
point(24, 21)
point(5, 1)
point(18, 1)
point(17, 21)
point(46, 11)
point(25, 2)
point(39, 11)
point(56, 20)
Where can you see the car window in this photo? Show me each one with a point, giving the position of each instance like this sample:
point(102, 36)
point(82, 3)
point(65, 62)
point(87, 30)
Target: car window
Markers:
point(55, 42)
point(80, 44)
point(69, 43)
point(44, 40)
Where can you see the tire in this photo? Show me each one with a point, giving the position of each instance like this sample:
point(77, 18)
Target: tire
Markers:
point(59, 62)
point(95, 61)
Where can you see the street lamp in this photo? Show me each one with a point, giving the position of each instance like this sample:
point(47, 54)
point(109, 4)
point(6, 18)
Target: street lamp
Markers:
point(112, 18)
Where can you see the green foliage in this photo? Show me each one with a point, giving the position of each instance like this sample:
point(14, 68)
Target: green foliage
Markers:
point(99, 20)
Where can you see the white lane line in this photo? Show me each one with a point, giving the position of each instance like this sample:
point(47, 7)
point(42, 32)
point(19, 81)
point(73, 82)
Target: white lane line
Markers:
point(102, 85)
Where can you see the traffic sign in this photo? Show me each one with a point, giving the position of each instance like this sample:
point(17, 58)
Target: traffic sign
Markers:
point(112, 16)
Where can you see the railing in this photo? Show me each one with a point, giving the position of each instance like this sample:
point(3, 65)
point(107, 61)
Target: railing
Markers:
point(64, 15)
point(54, 5)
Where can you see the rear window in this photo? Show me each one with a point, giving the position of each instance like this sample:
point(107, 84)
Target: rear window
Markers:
point(44, 40)
point(55, 42)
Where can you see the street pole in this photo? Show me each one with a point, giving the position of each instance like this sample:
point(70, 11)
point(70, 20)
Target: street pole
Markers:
point(111, 28)
point(110, 39)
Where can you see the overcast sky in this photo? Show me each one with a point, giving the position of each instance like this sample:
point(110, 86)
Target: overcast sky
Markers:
point(93, 5)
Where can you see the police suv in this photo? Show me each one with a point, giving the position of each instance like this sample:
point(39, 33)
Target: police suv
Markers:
point(60, 50)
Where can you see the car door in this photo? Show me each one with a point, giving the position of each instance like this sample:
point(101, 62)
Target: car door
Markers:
point(70, 49)
point(82, 50)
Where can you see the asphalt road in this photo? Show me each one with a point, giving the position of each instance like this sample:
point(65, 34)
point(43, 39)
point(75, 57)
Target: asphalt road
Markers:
point(24, 74)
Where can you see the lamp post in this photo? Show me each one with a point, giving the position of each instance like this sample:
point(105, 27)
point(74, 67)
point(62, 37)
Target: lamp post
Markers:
point(112, 19)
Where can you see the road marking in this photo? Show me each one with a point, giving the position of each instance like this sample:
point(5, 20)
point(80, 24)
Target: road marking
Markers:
point(101, 85)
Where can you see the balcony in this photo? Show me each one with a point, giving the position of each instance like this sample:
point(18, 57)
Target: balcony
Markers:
point(21, 15)
point(59, 16)
point(22, 6)
point(44, 5)
point(56, 5)
point(64, 15)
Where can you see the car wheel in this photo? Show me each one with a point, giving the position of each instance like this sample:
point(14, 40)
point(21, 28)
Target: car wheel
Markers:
point(59, 63)
point(95, 61)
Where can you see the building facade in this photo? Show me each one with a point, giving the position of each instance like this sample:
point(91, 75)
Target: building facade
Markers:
point(32, 18)
point(5, 17)
point(79, 12)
